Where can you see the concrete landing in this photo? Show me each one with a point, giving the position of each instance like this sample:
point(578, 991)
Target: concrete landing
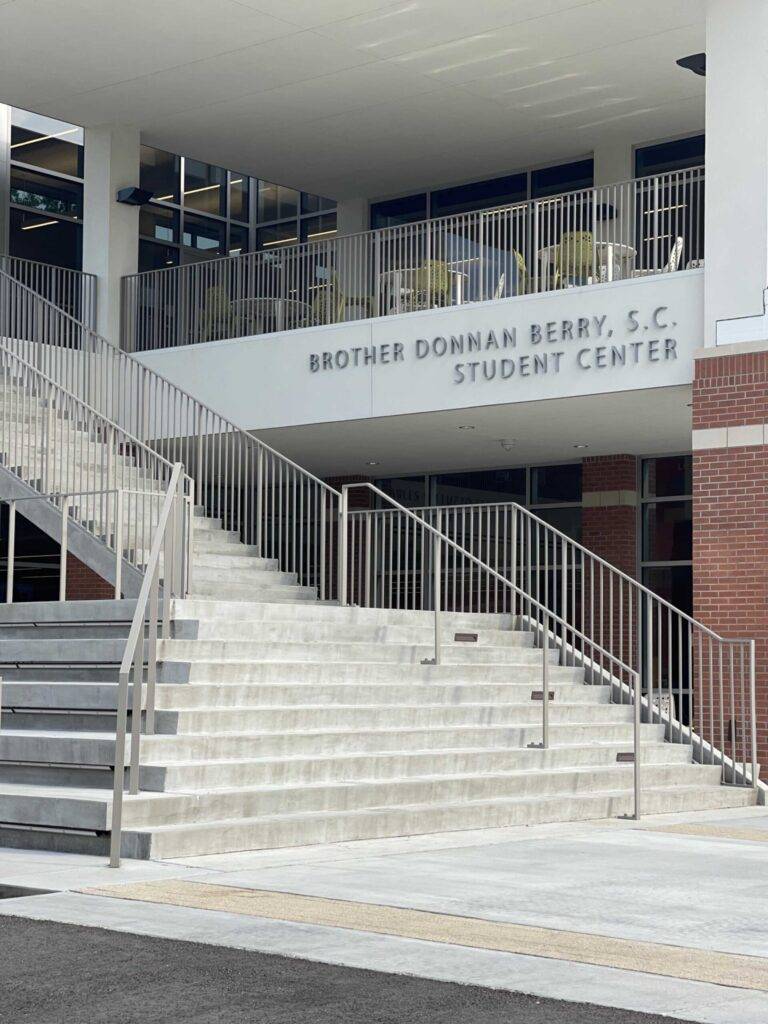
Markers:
point(666, 916)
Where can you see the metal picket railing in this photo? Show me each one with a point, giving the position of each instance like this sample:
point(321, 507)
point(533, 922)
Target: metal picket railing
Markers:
point(644, 226)
point(700, 685)
point(282, 510)
point(397, 557)
point(72, 291)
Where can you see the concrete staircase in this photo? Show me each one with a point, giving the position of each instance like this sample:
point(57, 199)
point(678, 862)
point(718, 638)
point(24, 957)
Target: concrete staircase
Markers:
point(284, 721)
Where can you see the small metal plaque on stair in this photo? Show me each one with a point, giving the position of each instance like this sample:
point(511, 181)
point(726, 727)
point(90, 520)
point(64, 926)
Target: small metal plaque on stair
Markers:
point(465, 638)
point(539, 695)
point(625, 757)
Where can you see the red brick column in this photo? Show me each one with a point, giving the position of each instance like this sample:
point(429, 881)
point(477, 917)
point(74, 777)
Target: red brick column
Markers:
point(609, 530)
point(730, 505)
point(83, 584)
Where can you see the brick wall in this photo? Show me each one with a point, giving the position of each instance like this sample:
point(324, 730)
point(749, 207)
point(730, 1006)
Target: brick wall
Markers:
point(730, 510)
point(609, 529)
point(83, 584)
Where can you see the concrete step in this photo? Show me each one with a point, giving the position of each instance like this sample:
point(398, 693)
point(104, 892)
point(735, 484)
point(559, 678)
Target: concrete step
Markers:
point(253, 671)
point(312, 632)
point(335, 651)
point(204, 558)
point(261, 611)
point(284, 830)
point(92, 749)
point(81, 808)
point(39, 695)
point(296, 718)
point(188, 775)
point(253, 575)
point(252, 592)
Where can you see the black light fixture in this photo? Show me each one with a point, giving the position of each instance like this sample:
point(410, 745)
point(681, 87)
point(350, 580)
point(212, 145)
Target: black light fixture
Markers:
point(697, 63)
point(134, 196)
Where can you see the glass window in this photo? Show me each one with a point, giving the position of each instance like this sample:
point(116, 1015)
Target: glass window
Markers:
point(159, 222)
point(566, 520)
point(204, 187)
point(548, 181)
point(34, 236)
point(316, 204)
point(479, 195)
point(488, 485)
point(159, 172)
point(47, 194)
point(316, 229)
point(238, 240)
point(551, 485)
point(36, 565)
point(204, 234)
point(410, 491)
point(668, 477)
point(667, 531)
point(239, 188)
point(277, 234)
point(670, 156)
point(277, 201)
point(405, 210)
point(156, 257)
point(44, 142)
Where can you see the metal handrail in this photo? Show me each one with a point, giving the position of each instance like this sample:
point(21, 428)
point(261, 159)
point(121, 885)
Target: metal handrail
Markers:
point(548, 617)
point(248, 484)
point(65, 288)
point(528, 247)
point(170, 540)
point(713, 676)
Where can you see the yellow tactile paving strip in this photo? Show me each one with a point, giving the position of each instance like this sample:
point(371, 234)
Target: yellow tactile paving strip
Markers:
point(754, 835)
point(648, 957)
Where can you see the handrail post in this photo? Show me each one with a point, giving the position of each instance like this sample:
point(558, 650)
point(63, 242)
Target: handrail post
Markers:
point(437, 570)
point(63, 550)
point(119, 545)
point(343, 540)
point(752, 713)
point(11, 562)
point(545, 682)
point(636, 731)
point(118, 782)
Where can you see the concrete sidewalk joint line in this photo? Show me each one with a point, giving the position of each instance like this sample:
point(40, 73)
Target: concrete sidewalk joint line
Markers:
point(737, 971)
point(752, 835)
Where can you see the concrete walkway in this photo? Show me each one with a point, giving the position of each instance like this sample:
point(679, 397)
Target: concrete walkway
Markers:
point(668, 916)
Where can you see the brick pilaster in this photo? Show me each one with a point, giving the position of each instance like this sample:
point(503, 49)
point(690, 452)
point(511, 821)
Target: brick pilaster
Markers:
point(730, 505)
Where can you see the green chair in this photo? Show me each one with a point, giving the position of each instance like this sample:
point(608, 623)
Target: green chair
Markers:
point(432, 285)
point(575, 258)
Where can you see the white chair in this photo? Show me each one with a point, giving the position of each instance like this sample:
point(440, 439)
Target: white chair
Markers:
point(672, 264)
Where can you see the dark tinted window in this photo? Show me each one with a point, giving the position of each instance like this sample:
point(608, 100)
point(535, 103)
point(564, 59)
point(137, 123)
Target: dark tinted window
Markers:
point(669, 156)
point(479, 195)
point(551, 485)
point(667, 477)
point(205, 234)
point(156, 257)
point(405, 210)
point(160, 174)
point(159, 223)
point(204, 187)
point(667, 531)
point(408, 490)
point(548, 181)
point(491, 485)
point(43, 142)
point(45, 193)
point(35, 236)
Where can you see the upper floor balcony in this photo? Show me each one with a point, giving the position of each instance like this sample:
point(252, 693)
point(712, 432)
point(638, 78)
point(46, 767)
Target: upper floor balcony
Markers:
point(637, 228)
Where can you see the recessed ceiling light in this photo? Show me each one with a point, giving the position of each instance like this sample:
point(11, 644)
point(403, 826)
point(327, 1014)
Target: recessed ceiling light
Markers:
point(372, 463)
point(467, 426)
point(581, 446)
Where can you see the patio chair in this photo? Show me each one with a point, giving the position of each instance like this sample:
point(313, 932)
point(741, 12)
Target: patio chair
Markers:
point(329, 301)
point(575, 258)
point(672, 264)
point(432, 285)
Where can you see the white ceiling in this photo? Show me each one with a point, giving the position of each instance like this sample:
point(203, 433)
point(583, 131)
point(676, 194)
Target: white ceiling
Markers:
point(649, 422)
point(361, 97)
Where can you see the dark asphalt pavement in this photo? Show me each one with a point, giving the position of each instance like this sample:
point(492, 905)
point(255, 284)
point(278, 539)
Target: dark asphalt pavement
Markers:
point(65, 974)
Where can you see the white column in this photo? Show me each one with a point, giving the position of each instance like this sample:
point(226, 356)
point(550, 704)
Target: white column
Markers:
point(110, 229)
point(352, 216)
point(613, 162)
point(354, 257)
point(5, 174)
point(736, 218)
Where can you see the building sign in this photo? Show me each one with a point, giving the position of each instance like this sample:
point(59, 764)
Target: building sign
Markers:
point(585, 344)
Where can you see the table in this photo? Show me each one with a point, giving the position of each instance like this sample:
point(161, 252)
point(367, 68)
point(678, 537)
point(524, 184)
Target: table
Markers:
point(266, 314)
point(610, 256)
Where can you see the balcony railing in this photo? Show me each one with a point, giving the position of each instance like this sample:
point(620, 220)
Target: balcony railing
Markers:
point(652, 225)
point(72, 291)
